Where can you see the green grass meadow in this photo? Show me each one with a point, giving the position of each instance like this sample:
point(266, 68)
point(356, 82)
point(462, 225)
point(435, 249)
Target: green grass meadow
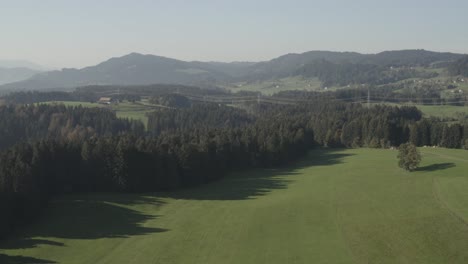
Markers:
point(440, 111)
point(443, 111)
point(270, 87)
point(334, 206)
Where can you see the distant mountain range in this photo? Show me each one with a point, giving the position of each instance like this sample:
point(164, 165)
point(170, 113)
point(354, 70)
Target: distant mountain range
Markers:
point(138, 69)
point(291, 63)
point(22, 64)
point(10, 75)
point(18, 70)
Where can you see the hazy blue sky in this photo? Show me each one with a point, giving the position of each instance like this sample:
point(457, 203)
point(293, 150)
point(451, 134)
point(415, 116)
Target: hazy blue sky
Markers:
point(72, 33)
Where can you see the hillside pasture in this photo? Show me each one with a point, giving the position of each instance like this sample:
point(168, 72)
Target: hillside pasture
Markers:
point(334, 206)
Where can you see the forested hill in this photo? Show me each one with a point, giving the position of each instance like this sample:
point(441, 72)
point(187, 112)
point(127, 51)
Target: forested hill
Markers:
point(459, 67)
point(131, 69)
point(138, 69)
point(291, 64)
point(342, 74)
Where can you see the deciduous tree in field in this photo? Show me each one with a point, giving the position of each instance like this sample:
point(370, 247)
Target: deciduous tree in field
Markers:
point(408, 157)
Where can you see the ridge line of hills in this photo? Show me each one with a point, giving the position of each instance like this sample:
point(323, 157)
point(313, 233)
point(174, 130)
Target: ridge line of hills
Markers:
point(139, 69)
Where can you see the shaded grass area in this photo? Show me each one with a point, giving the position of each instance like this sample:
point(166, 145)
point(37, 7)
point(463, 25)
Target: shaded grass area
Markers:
point(111, 216)
point(335, 206)
point(83, 217)
point(437, 166)
point(252, 184)
point(22, 260)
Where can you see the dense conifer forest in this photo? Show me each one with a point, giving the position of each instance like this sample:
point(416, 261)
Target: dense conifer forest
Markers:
point(53, 149)
point(35, 122)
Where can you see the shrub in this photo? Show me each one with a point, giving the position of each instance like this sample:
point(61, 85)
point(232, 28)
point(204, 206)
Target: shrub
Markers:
point(408, 157)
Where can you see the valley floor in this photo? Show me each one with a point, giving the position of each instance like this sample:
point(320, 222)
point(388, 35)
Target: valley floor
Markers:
point(335, 206)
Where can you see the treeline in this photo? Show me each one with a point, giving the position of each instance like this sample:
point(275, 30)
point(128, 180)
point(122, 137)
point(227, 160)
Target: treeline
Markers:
point(31, 173)
point(93, 93)
point(409, 92)
point(35, 122)
point(149, 90)
point(31, 97)
point(189, 146)
point(171, 100)
point(432, 132)
point(340, 124)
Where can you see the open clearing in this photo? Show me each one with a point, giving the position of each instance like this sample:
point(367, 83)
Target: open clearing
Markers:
point(335, 206)
point(270, 87)
point(443, 111)
point(440, 111)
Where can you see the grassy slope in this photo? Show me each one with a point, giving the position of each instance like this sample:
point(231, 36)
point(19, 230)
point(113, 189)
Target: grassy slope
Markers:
point(344, 206)
point(442, 111)
point(270, 87)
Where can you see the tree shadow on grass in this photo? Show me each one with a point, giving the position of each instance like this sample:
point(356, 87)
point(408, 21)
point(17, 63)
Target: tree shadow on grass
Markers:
point(83, 217)
point(250, 184)
point(113, 216)
point(4, 259)
point(28, 243)
point(436, 167)
point(92, 217)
